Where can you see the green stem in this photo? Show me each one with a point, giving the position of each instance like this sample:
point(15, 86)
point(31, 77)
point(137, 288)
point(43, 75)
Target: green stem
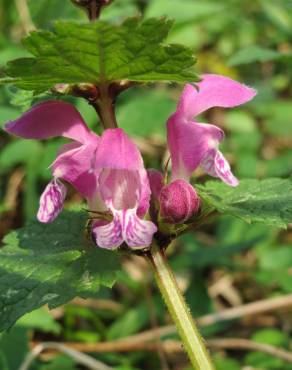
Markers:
point(179, 311)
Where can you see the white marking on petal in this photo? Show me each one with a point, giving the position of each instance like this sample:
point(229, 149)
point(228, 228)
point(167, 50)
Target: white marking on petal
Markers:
point(215, 164)
point(125, 193)
point(109, 236)
point(126, 227)
point(137, 233)
point(223, 170)
point(51, 201)
point(58, 172)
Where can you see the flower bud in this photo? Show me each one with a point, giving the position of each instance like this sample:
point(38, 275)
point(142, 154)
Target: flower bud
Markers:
point(178, 202)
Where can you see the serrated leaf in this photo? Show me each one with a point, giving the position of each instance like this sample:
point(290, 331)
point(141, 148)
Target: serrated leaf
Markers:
point(267, 201)
point(106, 52)
point(50, 264)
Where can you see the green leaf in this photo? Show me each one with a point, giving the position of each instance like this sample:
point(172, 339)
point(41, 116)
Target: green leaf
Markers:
point(266, 361)
point(203, 257)
point(278, 118)
point(129, 323)
point(119, 10)
point(19, 151)
point(256, 53)
point(240, 121)
point(273, 337)
point(50, 264)
point(60, 362)
point(132, 51)
point(279, 258)
point(41, 320)
point(44, 12)
point(267, 201)
point(14, 345)
point(27, 152)
point(7, 113)
point(223, 363)
point(150, 108)
point(189, 10)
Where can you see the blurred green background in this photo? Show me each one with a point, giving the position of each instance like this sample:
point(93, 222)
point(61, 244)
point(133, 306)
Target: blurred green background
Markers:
point(224, 264)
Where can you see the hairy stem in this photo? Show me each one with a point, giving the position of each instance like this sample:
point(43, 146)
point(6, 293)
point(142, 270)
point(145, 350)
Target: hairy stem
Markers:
point(93, 7)
point(103, 99)
point(105, 107)
point(179, 311)
point(93, 11)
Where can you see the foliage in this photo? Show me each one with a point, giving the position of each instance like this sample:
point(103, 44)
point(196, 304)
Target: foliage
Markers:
point(131, 51)
point(50, 264)
point(253, 201)
point(248, 41)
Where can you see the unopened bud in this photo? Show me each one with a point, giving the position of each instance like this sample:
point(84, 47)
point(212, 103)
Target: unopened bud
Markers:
point(178, 202)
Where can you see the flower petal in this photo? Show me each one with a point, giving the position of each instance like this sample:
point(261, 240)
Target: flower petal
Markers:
point(119, 188)
point(213, 91)
point(51, 201)
point(49, 119)
point(188, 144)
point(109, 236)
point(126, 227)
point(144, 193)
point(216, 165)
point(156, 182)
point(117, 151)
point(75, 165)
point(137, 233)
point(125, 189)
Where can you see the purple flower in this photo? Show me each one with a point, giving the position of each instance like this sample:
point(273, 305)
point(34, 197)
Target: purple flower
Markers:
point(194, 144)
point(124, 190)
point(108, 171)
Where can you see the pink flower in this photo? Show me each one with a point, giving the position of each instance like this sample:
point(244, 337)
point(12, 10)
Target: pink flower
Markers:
point(108, 171)
point(124, 190)
point(194, 144)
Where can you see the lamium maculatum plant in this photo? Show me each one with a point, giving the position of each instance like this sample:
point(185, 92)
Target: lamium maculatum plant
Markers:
point(132, 208)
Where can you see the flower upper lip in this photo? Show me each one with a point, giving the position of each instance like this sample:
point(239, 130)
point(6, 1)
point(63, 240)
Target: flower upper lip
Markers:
point(191, 143)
